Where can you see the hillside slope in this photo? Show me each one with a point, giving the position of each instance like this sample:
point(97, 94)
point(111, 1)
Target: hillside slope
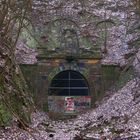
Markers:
point(116, 117)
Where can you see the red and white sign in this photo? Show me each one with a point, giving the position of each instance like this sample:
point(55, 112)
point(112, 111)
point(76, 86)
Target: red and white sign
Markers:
point(69, 104)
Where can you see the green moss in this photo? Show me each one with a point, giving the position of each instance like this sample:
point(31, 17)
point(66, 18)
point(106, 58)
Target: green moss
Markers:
point(29, 73)
point(45, 107)
point(5, 116)
point(110, 75)
point(19, 108)
point(27, 37)
point(125, 77)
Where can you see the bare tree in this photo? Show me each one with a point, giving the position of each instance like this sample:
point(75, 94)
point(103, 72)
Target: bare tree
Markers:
point(14, 95)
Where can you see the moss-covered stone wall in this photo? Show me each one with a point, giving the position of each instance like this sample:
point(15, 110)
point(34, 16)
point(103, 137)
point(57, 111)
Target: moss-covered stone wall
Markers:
point(38, 78)
point(110, 75)
point(30, 74)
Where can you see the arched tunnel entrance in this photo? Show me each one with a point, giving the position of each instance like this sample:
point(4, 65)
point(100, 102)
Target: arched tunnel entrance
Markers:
point(67, 51)
point(68, 93)
point(69, 83)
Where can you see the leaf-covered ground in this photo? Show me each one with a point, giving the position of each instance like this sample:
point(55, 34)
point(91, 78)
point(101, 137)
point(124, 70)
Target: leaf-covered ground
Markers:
point(116, 117)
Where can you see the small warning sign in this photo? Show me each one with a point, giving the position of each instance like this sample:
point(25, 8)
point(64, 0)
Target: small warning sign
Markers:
point(69, 105)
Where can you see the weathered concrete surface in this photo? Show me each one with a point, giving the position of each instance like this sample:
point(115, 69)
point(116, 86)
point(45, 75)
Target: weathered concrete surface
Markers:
point(68, 104)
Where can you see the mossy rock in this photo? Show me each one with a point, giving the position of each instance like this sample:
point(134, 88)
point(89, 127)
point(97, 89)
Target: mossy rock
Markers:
point(5, 116)
point(20, 109)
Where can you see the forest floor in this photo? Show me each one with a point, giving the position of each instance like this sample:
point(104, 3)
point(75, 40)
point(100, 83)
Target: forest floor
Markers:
point(116, 117)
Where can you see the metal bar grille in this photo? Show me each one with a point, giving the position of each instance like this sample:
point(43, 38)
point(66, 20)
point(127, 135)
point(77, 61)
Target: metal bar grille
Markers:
point(69, 83)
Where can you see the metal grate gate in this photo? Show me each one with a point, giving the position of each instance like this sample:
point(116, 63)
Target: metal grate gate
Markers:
point(69, 83)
